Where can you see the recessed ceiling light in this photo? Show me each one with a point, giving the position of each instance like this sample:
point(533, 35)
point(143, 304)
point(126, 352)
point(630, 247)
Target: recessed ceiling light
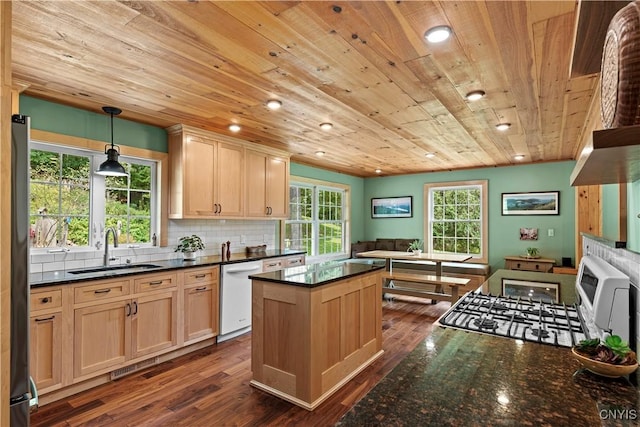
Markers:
point(519, 157)
point(503, 126)
point(234, 128)
point(475, 95)
point(319, 153)
point(274, 104)
point(326, 126)
point(378, 170)
point(438, 34)
point(430, 155)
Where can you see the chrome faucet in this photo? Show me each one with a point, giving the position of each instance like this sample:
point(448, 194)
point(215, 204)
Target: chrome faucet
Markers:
point(106, 258)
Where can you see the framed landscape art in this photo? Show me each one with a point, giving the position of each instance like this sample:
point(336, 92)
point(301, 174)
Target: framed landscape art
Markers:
point(392, 207)
point(534, 203)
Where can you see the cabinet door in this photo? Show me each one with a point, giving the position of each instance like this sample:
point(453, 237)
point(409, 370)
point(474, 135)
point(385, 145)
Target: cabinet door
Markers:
point(229, 180)
point(256, 184)
point(198, 179)
point(45, 350)
point(102, 337)
point(200, 312)
point(154, 322)
point(277, 187)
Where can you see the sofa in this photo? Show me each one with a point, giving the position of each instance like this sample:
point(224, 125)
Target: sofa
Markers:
point(477, 273)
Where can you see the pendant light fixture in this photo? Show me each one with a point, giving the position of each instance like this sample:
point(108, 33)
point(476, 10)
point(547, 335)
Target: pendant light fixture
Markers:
point(111, 167)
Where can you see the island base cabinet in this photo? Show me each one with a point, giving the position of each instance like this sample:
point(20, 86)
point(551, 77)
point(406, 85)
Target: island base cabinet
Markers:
point(308, 342)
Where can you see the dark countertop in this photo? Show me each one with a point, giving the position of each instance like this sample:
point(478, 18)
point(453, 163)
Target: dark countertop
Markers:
point(464, 378)
point(311, 276)
point(61, 277)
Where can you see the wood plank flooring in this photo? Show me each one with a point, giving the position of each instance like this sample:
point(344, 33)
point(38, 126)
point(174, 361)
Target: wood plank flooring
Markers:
point(211, 387)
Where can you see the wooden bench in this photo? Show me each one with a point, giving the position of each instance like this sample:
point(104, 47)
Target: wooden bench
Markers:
point(421, 285)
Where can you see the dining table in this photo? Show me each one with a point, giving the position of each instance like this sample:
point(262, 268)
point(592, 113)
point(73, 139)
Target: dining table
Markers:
point(435, 257)
point(420, 285)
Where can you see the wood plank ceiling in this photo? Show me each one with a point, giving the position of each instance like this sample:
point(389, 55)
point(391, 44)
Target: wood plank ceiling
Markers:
point(363, 66)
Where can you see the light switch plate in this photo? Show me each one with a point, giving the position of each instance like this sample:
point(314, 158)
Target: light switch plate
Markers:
point(551, 232)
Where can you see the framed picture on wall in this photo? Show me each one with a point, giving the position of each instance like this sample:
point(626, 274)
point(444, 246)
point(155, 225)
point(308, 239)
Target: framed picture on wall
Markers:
point(392, 207)
point(534, 203)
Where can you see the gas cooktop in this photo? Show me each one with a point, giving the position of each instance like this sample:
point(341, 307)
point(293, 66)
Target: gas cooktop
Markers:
point(518, 318)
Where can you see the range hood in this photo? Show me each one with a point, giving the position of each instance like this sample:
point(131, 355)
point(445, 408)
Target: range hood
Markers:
point(611, 156)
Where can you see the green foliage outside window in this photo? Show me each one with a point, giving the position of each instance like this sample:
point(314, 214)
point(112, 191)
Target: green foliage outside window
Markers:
point(456, 220)
point(60, 198)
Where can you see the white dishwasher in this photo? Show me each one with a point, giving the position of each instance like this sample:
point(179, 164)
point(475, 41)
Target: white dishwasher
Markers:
point(235, 298)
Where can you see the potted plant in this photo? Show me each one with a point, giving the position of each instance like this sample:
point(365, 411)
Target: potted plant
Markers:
point(189, 245)
point(610, 358)
point(415, 247)
point(532, 252)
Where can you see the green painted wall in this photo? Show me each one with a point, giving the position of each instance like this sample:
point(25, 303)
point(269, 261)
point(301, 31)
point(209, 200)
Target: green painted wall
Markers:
point(504, 236)
point(633, 222)
point(52, 117)
point(610, 211)
point(357, 193)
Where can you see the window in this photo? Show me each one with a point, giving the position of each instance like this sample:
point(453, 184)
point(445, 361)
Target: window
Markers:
point(317, 218)
point(457, 218)
point(70, 206)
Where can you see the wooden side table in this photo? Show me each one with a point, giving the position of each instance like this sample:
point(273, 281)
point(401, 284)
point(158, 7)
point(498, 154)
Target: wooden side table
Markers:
point(544, 265)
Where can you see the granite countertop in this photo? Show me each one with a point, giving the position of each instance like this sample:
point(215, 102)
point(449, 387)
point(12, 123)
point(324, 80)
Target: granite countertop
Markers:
point(324, 273)
point(465, 378)
point(61, 277)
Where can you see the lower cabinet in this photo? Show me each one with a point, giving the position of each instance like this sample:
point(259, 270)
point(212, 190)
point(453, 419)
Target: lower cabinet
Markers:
point(201, 304)
point(45, 357)
point(108, 332)
point(102, 337)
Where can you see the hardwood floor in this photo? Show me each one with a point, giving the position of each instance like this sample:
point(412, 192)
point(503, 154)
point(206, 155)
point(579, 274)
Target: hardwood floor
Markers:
point(211, 387)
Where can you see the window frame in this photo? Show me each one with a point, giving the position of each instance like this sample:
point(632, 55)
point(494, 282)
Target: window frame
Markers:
point(484, 213)
point(346, 216)
point(159, 220)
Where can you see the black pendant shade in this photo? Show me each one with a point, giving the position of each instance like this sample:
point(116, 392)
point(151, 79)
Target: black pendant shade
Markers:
point(111, 167)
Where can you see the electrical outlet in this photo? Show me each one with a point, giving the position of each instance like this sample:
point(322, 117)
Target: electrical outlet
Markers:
point(550, 232)
point(243, 239)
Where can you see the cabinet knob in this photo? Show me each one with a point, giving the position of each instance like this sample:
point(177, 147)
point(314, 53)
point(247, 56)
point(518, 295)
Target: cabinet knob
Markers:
point(45, 300)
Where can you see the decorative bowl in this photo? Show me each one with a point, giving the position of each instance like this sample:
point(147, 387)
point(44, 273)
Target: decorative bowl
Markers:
point(604, 369)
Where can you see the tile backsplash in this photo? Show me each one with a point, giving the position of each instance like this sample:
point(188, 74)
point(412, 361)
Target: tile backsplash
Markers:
point(624, 260)
point(213, 233)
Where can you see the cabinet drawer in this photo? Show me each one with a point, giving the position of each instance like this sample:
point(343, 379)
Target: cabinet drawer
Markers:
point(155, 282)
point(272, 265)
point(530, 266)
point(294, 261)
point(201, 275)
point(45, 300)
point(98, 291)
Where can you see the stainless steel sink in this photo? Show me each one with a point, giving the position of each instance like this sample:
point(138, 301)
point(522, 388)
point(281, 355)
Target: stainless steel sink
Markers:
point(128, 268)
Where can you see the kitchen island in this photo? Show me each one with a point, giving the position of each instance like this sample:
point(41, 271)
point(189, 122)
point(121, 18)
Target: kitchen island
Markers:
point(463, 379)
point(314, 327)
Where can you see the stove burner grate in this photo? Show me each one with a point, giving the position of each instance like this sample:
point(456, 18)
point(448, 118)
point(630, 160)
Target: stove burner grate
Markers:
point(495, 306)
point(485, 323)
point(537, 332)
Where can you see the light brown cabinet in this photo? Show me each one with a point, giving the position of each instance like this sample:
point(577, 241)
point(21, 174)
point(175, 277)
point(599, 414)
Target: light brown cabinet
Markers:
point(45, 340)
point(112, 326)
point(529, 264)
point(206, 175)
point(201, 303)
point(267, 178)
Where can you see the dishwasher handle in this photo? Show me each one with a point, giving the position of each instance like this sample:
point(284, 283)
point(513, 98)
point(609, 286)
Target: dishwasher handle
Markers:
point(242, 270)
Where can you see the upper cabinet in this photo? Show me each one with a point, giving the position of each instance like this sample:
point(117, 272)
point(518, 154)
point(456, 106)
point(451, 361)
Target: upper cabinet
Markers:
point(206, 175)
point(267, 178)
point(216, 176)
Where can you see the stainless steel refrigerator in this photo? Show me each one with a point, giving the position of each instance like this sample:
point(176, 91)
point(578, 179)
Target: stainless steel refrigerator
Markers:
point(22, 391)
